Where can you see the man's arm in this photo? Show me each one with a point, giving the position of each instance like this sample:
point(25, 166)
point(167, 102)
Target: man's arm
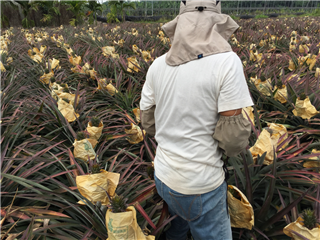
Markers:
point(147, 120)
point(232, 132)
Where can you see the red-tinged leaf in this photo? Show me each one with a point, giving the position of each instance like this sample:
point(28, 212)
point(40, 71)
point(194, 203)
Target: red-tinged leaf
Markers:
point(44, 211)
point(114, 160)
point(147, 146)
point(260, 232)
point(266, 204)
point(164, 213)
point(248, 179)
point(298, 151)
point(286, 150)
point(4, 151)
point(116, 136)
point(58, 174)
point(35, 156)
point(286, 216)
point(163, 225)
point(87, 234)
point(19, 215)
point(128, 168)
point(151, 190)
point(130, 119)
point(74, 162)
point(62, 190)
point(269, 175)
point(144, 214)
point(283, 212)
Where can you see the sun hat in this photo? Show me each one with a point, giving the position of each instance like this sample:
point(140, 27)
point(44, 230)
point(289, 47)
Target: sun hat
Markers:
point(198, 31)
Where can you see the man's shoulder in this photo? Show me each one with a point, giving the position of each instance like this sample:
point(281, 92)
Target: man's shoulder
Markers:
point(160, 60)
point(225, 55)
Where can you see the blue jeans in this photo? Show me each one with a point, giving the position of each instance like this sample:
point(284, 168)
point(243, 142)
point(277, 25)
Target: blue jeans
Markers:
point(204, 214)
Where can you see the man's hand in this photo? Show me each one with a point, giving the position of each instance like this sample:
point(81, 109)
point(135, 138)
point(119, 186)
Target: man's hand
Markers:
point(231, 113)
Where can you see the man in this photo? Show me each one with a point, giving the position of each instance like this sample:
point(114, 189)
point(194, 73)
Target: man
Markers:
point(191, 101)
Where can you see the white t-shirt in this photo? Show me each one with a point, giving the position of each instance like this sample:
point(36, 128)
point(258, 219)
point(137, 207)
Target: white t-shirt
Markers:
point(188, 99)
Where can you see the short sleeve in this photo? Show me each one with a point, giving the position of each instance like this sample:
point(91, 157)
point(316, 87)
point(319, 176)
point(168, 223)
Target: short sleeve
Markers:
point(147, 95)
point(234, 92)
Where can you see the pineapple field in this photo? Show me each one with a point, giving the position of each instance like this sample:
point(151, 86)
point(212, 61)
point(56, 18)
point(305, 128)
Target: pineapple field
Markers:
point(74, 154)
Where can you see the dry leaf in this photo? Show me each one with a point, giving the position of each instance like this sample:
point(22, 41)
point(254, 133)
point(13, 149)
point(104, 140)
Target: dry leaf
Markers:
point(133, 64)
point(123, 226)
point(120, 42)
point(313, 164)
point(265, 143)
point(2, 68)
point(83, 150)
point(95, 132)
point(248, 111)
point(264, 87)
point(135, 134)
point(75, 60)
point(281, 94)
point(299, 227)
point(304, 108)
point(94, 186)
point(45, 78)
point(102, 84)
point(279, 130)
point(317, 73)
point(241, 211)
point(136, 112)
point(67, 110)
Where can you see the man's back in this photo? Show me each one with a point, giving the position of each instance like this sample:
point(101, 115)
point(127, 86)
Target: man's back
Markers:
point(188, 98)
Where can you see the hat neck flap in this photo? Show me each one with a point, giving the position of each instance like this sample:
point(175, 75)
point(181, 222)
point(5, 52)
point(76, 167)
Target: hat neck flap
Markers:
point(198, 31)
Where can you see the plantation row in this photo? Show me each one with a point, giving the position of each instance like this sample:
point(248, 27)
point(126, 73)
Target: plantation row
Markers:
point(72, 142)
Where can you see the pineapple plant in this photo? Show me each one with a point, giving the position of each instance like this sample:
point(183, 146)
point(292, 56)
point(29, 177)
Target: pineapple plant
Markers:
point(234, 193)
point(118, 204)
point(309, 219)
point(279, 84)
point(95, 121)
point(263, 78)
point(95, 168)
point(65, 90)
point(81, 136)
point(269, 130)
point(302, 96)
point(65, 99)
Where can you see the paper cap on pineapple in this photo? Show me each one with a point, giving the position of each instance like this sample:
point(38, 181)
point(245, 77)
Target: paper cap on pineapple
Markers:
point(198, 31)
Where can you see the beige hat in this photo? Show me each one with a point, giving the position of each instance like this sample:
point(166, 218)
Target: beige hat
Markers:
point(198, 31)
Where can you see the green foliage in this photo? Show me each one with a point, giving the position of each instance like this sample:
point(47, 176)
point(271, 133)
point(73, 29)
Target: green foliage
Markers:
point(261, 16)
point(50, 9)
point(120, 7)
point(95, 121)
point(95, 168)
point(112, 17)
point(94, 8)
point(118, 204)
point(81, 136)
point(76, 7)
point(309, 219)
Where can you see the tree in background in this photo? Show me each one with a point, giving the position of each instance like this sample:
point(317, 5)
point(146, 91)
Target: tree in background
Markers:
point(94, 7)
point(77, 8)
point(120, 7)
point(50, 9)
point(25, 7)
point(4, 18)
